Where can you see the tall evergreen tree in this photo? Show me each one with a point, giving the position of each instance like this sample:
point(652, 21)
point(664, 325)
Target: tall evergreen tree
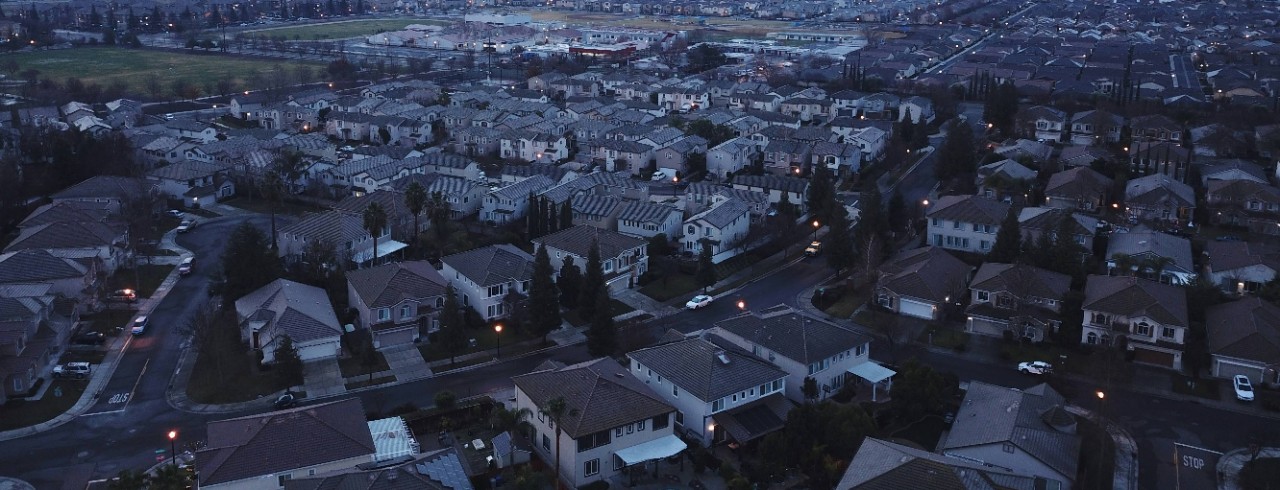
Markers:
point(822, 193)
point(593, 280)
point(375, 220)
point(958, 156)
point(706, 275)
point(415, 200)
point(1008, 244)
point(566, 215)
point(602, 335)
point(287, 362)
point(839, 244)
point(533, 217)
point(544, 304)
point(1065, 254)
point(452, 335)
point(569, 281)
point(248, 263)
point(897, 214)
point(552, 216)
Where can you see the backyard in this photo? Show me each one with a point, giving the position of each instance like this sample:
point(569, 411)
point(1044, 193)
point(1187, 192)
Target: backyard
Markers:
point(263, 206)
point(58, 398)
point(136, 68)
point(341, 29)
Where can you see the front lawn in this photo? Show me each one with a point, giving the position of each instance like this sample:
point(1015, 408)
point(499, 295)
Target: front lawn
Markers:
point(108, 320)
point(880, 321)
point(225, 370)
point(19, 412)
point(670, 286)
point(485, 340)
point(848, 301)
point(1206, 388)
point(144, 281)
point(945, 337)
point(616, 307)
point(355, 365)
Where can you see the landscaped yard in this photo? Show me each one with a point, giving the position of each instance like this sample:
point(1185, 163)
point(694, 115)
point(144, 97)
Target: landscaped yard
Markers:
point(670, 286)
point(615, 306)
point(949, 338)
point(848, 302)
point(108, 320)
point(354, 365)
point(1204, 387)
point(226, 374)
point(145, 282)
point(486, 340)
point(23, 413)
point(135, 67)
point(341, 29)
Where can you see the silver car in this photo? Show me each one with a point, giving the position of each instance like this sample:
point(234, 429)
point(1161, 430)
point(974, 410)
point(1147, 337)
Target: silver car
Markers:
point(1244, 388)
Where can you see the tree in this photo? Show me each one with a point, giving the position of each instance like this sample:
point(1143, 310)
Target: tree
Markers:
point(285, 170)
point(169, 477)
point(822, 194)
point(592, 282)
point(415, 199)
point(1008, 244)
point(809, 389)
point(543, 298)
point(957, 157)
point(375, 220)
point(569, 281)
point(713, 133)
point(704, 57)
point(288, 362)
point(817, 441)
point(1000, 107)
point(602, 335)
point(446, 400)
point(918, 390)
point(706, 275)
point(839, 243)
point(566, 215)
point(248, 263)
point(533, 216)
point(897, 213)
point(556, 408)
point(452, 336)
point(129, 480)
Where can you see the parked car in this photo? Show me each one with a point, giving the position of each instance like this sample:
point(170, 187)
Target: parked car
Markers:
point(186, 225)
point(662, 176)
point(185, 267)
point(814, 248)
point(1244, 388)
point(698, 301)
point(139, 325)
point(128, 295)
point(89, 337)
point(1035, 367)
point(286, 400)
point(175, 213)
point(77, 370)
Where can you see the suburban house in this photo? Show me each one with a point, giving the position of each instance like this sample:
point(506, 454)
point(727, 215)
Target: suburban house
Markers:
point(623, 258)
point(1151, 254)
point(730, 157)
point(484, 276)
point(805, 347)
point(344, 231)
point(190, 180)
point(647, 219)
point(882, 464)
point(722, 227)
point(265, 451)
point(111, 191)
point(286, 308)
point(1157, 127)
point(1240, 267)
point(919, 109)
point(1024, 300)
point(1077, 188)
point(1158, 197)
point(61, 232)
point(1025, 431)
point(1005, 180)
point(397, 302)
point(1244, 203)
point(508, 204)
point(1243, 337)
point(1151, 316)
point(27, 341)
point(611, 422)
point(711, 384)
point(1095, 127)
point(965, 223)
point(77, 280)
point(793, 189)
point(438, 470)
point(922, 282)
point(1045, 123)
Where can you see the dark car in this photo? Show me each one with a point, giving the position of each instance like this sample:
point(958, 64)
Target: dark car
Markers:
point(286, 400)
point(89, 338)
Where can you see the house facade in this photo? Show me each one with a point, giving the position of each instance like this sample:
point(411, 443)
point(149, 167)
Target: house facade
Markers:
point(921, 283)
point(1242, 339)
point(1017, 298)
point(1150, 316)
point(965, 223)
point(397, 302)
point(484, 276)
point(623, 258)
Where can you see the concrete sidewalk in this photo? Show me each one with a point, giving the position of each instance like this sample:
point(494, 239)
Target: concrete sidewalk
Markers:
point(1230, 464)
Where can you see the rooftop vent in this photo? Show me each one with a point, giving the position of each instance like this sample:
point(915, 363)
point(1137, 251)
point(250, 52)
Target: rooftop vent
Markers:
point(724, 359)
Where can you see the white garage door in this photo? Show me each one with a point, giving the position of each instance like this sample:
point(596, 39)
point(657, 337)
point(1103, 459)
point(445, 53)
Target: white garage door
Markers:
point(915, 308)
point(319, 351)
point(394, 337)
point(1231, 369)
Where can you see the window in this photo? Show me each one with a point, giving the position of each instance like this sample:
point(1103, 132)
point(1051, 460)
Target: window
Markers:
point(1091, 338)
point(284, 478)
point(640, 426)
point(440, 302)
point(777, 385)
point(1008, 448)
point(717, 405)
point(984, 245)
point(406, 311)
point(936, 222)
point(679, 417)
point(675, 390)
point(984, 296)
point(1142, 328)
point(542, 417)
point(957, 225)
point(384, 314)
point(591, 467)
point(1168, 333)
point(860, 350)
point(618, 432)
point(495, 290)
point(660, 422)
point(735, 397)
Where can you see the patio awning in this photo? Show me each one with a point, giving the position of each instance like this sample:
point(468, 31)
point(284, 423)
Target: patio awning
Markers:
point(662, 447)
point(756, 419)
point(872, 371)
point(384, 248)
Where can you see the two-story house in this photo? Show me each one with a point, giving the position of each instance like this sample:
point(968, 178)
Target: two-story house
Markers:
point(484, 276)
point(1150, 316)
point(1095, 127)
point(1158, 197)
point(593, 421)
point(1077, 188)
point(722, 227)
point(1243, 338)
point(965, 223)
point(792, 189)
point(730, 157)
point(26, 341)
point(398, 302)
point(345, 232)
point(1151, 254)
point(921, 283)
point(714, 385)
point(1017, 298)
point(1156, 127)
point(285, 308)
point(802, 345)
point(646, 219)
point(508, 203)
point(1240, 267)
point(1244, 203)
point(1045, 123)
point(623, 258)
point(879, 464)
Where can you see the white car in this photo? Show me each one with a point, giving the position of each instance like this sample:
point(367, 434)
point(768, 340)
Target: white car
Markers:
point(139, 325)
point(1035, 367)
point(186, 225)
point(1244, 388)
point(814, 249)
point(698, 301)
point(175, 213)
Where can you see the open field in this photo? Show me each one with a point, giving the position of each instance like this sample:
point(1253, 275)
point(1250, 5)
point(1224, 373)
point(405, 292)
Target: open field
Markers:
point(340, 29)
point(717, 28)
point(133, 67)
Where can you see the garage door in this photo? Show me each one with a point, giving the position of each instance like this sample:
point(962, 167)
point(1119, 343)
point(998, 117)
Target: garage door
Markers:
point(1230, 370)
point(394, 337)
point(1162, 359)
point(318, 351)
point(915, 309)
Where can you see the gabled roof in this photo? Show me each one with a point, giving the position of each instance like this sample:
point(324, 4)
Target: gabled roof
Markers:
point(1137, 243)
point(387, 285)
point(928, 273)
point(62, 235)
point(599, 395)
point(694, 364)
point(328, 227)
point(32, 266)
point(1021, 279)
point(298, 310)
point(721, 214)
point(883, 465)
point(103, 187)
point(494, 264)
point(646, 212)
point(1131, 296)
point(993, 414)
point(520, 190)
point(437, 470)
point(969, 209)
point(1077, 181)
point(1244, 329)
point(1158, 188)
point(262, 445)
point(792, 333)
point(793, 185)
point(66, 212)
point(578, 239)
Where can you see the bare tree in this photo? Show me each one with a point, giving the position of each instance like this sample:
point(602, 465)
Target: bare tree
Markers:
point(205, 329)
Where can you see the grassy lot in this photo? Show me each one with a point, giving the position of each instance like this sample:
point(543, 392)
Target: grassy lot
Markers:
point(18, 413)
point(848, 303)
point(134, 67)
point(1204, 388)
point(880, 321)
point(486, 340)
point(615, 306)
point(946, 337)
point(341, 29)
point(676, 284)
point(354, 365)
point(144, 282)
point(262, 206)
point(106, 321)
point(228, 375)
point(1097, 456)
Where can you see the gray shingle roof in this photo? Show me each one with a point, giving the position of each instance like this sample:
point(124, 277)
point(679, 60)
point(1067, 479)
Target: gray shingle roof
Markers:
point(1021, 279)
point(693, 365)
point(928, 273)
point(1156, 189)
point(1131, 296)
point(793, 334)
point(328, 227)
point(494, 264)
point(969, 209)
point(438, 470)
point(1227, 256)
point(1077, 182)
point(388, 285)
point(993, 414)
point(599, 395)
point(883, 465)
point(645, 212)
point(1245, 329)
point(290, 308)
point(721, 214)
point(103, 186)
point(772, 182)
point(1139, 243)
point(261, 445)
point(578, 239)
point(36, 266)
point(520, 190)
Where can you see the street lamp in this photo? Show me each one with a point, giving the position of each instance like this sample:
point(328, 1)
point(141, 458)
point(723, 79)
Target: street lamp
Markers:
point(173, 446)
point(497, 329)
point(816, 225)
point(742, 305)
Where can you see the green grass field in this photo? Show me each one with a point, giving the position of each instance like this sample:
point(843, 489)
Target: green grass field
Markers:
point(340, 29)
point(133, 67)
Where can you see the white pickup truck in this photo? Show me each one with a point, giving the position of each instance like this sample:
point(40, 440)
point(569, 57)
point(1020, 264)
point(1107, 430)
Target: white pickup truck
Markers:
point(77, 370)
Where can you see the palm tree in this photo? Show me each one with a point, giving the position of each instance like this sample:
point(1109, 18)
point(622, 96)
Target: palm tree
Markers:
point(556, 409)
point(1156, 265)
point(375, 219)
point(1124, 263)
point(129, 480)
point(505, 420)
point(415, 199)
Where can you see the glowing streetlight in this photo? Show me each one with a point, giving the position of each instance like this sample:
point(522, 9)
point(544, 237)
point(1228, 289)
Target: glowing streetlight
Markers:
point(1101, 395)
point(742, 305)
point(497, 329)
point(173, 446)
